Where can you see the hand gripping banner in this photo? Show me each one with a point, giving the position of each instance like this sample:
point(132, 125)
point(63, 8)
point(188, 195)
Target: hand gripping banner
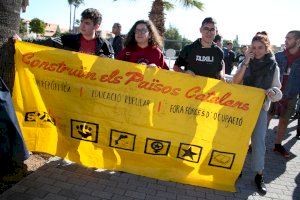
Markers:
point(117, 115)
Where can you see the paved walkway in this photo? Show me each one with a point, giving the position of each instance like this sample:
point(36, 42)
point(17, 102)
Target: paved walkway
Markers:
point(60, 181)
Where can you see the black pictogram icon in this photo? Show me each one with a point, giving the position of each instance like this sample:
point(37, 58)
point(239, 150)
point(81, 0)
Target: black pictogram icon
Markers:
point(221, 159)
point(189, 152)
point(122, 140)
point(157, 147)
point(82, 130)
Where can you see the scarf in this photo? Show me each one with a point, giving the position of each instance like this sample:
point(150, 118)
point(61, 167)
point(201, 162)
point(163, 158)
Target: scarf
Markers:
point(291, 57)
point(260, 72)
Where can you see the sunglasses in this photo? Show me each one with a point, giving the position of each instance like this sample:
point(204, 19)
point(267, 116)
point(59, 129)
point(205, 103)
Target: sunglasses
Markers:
point(207, 30)
point(141, 31)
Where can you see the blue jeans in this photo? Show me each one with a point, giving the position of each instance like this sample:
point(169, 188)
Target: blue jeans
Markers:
point(258, 142)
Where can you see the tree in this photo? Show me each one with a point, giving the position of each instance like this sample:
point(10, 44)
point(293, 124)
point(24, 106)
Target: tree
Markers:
point(71, 2)
point(157, 15)
point(22, 28)
point(37, 26)
point(173, 39)
point(76, 4)
point(57, 32)
point(236, 43)
point(10, 18)
point(77, 22)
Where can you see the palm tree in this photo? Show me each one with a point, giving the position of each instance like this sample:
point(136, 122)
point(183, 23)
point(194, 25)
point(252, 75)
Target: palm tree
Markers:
point(10, 19)
point(157, 15)
point(71, 2)
point(76, 4)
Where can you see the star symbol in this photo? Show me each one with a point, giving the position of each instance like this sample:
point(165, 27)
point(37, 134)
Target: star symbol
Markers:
point(188, 153)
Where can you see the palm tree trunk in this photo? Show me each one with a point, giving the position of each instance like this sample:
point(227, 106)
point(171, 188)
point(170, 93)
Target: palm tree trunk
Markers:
point(70, 26)
point(157, 16)
point(74, 15)
point(9, 25)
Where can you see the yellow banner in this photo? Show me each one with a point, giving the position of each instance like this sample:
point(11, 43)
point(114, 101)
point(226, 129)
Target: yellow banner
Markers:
point(116, 115)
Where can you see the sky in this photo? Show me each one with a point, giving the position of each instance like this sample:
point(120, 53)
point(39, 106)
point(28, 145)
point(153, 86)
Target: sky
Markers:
point(234, 17)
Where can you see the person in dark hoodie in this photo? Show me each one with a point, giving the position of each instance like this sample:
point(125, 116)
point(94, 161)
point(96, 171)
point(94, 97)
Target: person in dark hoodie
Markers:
point(259, 69)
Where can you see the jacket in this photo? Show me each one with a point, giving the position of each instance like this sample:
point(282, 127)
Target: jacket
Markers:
point(71, 42)
point(292, 88)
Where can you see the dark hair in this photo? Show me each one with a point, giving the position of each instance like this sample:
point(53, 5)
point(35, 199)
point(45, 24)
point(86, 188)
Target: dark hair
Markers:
point(154, 40)
point(263, 38)
point(208, 20)
point(296, 34)
point(117, 25)
point(92, 14)
point(217, 38)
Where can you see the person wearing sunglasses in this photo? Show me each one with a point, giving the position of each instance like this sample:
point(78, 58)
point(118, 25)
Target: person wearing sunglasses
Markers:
point(203, 57)
point(142, 45)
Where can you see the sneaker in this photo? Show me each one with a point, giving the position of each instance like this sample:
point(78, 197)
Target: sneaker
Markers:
point(280, 149)
point(260, 184)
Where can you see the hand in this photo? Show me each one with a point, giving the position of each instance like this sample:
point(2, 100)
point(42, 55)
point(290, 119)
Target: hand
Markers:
point(248, 56)
point(152, 65)
point(190, 72)
point(270, 93)
point(143, 63)
point(103, 56)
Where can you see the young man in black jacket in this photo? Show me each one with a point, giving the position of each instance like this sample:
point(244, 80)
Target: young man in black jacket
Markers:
point(87, 41)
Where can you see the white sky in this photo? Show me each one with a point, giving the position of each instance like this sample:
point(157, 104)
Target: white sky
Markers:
point(234, 17)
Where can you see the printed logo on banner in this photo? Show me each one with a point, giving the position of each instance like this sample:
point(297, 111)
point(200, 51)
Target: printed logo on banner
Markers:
point(39, 117)
point(189, 152)
point(221, 159)
point(157, 147)
point(82, 130)
point(122, 140)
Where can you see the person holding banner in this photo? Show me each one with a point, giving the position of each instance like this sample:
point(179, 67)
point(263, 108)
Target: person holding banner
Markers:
point(87, 41)
point(203, 57)
point(142, 45)
point(259, 69)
